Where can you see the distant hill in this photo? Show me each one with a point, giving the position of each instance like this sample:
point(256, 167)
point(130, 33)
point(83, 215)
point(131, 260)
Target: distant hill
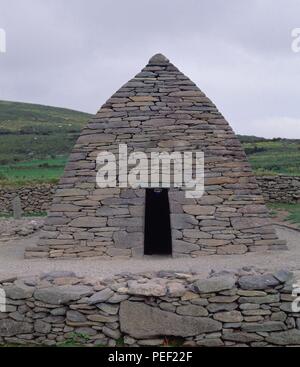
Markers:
point(35, 141)
point(30, 131)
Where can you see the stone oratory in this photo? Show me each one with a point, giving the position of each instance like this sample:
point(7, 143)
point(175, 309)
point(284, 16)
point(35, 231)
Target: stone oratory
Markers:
point(160, 110)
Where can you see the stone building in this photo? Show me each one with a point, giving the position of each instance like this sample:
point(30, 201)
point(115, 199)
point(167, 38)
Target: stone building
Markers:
point(160, 109)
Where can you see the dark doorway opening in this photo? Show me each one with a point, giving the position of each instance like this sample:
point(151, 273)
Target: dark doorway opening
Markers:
point(158, 238)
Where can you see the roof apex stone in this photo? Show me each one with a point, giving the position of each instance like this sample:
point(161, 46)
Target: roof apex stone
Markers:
point(159, 59)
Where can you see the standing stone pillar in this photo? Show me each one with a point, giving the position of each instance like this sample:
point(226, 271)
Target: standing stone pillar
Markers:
point(16, 206)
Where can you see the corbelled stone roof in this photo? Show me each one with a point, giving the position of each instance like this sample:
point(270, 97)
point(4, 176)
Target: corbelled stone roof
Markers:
point(166, 107)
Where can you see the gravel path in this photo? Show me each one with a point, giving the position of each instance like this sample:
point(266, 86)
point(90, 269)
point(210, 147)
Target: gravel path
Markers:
point(12, 262)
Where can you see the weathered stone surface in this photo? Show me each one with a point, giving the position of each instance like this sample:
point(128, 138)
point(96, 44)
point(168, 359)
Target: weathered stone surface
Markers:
point(101, 296)
point(271, 298)
point(210, 342)
point(71, 192)
point(61, 294)
point(117, 298)
point(108, 308)
point(264, 326)
point(232, 250)
point(196, 233)
point(102, 318)
point(289, 337)
point(86, 331)
point(75, 316)
point(229, 316)
point(10, 327)
point(278, 316)
point(155, 322)
point(251, 222)
point(182, 221)
point(223, 299)
point(176, 289)
point(199, 210)
point(42, 327)
point(250, 293)
point(19, 291)
point(96, 138)
point(60, 311)
point(258, 281)
point(158, 59)
point(192, 310)
point(114, 334)
point(127, 240)
point(283, 275)
point(215, 284)
point(151, 288)
point(184, 247)
point(107, 211)
point(217, 307)
point(241, 337)
point(88, 222)
point(151, 342)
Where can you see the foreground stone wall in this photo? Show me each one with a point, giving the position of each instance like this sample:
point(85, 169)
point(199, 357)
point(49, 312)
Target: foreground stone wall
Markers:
point(284, 189)
point(249, 308)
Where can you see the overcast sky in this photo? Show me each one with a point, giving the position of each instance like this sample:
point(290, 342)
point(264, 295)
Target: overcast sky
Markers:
point(76, 53)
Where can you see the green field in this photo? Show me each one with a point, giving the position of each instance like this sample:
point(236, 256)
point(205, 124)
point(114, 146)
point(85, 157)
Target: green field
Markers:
point(35, 141)
point(276, 156)
point(44, 170)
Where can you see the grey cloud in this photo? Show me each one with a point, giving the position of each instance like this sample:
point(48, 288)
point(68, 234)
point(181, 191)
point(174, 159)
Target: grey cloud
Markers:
point(77, 53)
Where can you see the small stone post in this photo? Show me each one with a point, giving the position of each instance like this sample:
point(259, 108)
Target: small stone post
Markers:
point(16, 206)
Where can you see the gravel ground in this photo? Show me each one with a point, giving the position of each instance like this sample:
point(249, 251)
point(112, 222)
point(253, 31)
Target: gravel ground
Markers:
point(12, 262)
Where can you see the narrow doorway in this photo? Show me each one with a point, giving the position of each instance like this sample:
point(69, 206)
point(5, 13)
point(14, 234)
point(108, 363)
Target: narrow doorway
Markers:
point(158, 238)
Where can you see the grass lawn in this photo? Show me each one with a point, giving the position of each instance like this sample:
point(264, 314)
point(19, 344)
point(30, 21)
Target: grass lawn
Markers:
point(289, 212)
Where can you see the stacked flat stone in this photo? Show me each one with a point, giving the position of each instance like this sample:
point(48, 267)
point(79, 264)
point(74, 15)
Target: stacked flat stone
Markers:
point(38, 198)
point(243, 309)
point(34, 198)
point(160, 109)
point(280, 188)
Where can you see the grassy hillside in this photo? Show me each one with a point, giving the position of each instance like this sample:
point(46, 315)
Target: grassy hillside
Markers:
point(29, 131)
point(35, 141)
point(275, 156)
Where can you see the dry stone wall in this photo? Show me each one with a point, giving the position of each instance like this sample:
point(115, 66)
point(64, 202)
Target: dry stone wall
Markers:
point(38, 198)
point(251, 308)
point(283, 189)
point(34, 198)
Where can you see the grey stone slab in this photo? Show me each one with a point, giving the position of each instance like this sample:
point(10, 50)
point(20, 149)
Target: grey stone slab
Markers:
point(155, 322)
